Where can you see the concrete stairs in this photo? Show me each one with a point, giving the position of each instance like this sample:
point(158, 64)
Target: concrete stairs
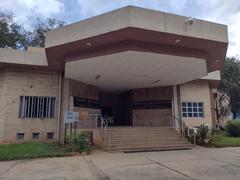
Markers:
point(137, 139)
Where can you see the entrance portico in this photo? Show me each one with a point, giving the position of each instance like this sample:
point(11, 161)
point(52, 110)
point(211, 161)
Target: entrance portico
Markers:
point(136, 87)
point(132, 70)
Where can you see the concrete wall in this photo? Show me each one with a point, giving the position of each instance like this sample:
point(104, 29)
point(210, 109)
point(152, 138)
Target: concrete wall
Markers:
point(152, 117)
point(2, 102)
point(19, 82)
point(33, 56)
point(197, 91)
point(70, 89)
point(136, 17)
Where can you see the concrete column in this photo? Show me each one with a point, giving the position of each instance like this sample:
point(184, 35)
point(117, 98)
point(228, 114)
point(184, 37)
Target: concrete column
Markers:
point(175, 107)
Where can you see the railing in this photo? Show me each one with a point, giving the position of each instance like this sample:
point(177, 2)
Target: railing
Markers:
point(177, 123)
point(90, 121)
point(184, 129)
point(103, 132)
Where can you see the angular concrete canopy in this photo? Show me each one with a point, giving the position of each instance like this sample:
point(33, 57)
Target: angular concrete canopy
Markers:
point(131, 69)
point(138, 29)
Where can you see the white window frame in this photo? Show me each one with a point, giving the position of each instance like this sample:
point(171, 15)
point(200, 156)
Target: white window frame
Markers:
point(195, 109)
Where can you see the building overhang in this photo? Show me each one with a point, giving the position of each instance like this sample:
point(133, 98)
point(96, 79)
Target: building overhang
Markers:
point(133, 69)
point(138, 29)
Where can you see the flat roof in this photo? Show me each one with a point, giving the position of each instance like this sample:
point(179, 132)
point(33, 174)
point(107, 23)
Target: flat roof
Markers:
point(138, 29)
point(33, 57)
point(137, 17)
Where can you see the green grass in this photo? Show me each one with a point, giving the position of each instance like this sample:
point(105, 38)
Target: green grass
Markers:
point(30, 150)
point(223, 140)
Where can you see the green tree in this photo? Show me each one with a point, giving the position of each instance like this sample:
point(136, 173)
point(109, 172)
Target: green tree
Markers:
point(36, 37)
point(11, 34)
point(16, 36)
point(230, 83)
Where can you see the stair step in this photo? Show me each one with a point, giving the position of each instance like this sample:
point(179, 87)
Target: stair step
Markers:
point(142, 149)
point(145, 142)
point(119, 135)
point(144, 139)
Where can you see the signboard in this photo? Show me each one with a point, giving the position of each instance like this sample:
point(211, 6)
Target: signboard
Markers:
point(162, 104)
point(87, 103)
point(71, 117)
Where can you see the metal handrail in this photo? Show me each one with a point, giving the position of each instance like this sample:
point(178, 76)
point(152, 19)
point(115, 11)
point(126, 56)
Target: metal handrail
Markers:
point(180, 124)
point(183, 127)
point(103, 131)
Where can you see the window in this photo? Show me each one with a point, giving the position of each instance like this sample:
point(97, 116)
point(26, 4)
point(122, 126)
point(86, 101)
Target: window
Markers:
point(37, 107)
point(192, 109)
point(35, 135)
point(50, 135)
point(20, 136)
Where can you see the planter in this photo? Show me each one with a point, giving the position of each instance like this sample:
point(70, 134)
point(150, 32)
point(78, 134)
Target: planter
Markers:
point(84, 153)
point(73, 153)
point(206, 141)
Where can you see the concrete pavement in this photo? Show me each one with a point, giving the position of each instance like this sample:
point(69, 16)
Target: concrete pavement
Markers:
point(198, 163)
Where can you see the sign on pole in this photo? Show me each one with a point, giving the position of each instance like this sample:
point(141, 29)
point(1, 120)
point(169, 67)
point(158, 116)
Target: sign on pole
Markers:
point(71, 117)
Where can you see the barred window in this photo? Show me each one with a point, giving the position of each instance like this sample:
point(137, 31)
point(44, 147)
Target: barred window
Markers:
point(35, 135)
point(20, 136)
point(50, 135)
point(192, 109)
point(37, 107)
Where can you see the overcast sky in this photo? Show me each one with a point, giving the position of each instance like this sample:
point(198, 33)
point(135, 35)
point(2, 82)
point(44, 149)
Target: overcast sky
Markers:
point(220, 11)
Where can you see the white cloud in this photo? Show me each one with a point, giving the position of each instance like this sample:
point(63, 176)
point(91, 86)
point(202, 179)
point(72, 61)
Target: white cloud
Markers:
point(26, 10)
point(225, 12)
point(93, 7)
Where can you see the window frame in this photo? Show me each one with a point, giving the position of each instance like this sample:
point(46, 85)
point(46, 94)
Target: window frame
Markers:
point(192, 109)
point(35, 133)
point(37, 107)
point(52, 133)
point(19, 134)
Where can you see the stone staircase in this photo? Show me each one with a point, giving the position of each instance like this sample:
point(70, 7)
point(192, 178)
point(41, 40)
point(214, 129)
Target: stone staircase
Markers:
point(137, 139)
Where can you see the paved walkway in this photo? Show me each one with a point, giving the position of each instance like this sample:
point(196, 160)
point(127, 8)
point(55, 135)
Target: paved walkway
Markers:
point(199, 163)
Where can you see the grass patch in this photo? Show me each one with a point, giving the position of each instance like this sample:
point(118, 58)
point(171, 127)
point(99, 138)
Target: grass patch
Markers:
point(30, 150)
point(222, 140)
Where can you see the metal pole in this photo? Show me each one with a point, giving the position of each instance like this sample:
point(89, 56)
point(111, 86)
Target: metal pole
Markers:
point(65, 133)
point(75, 127)
point(70, 128)
point(59, 106)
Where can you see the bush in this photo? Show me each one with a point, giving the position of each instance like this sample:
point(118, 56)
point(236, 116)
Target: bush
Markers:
point(78, 142)
point(203, 134)
point(233, 128)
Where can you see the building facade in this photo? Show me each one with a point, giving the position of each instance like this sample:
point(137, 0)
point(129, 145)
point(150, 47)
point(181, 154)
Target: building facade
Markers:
point(138, 67)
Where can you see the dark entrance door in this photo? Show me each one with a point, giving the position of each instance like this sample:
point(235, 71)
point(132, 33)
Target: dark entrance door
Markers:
point(107, 111)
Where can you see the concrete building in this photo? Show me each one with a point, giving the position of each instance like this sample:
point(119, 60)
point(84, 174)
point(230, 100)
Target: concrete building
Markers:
point(138, 67)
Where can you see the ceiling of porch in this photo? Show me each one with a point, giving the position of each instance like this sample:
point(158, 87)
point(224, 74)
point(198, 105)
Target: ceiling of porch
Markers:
point(132, 69)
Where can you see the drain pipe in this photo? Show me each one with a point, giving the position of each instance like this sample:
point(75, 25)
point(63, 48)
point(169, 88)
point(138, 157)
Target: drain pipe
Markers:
point(59, 106)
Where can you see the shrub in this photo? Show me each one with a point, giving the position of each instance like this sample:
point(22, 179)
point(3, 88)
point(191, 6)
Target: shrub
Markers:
point(233, 128)
point(202, 134)
point(78, 142)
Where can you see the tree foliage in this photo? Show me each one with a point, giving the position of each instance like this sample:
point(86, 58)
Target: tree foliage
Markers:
point(230, 82)
point(11, 34)
point(16, 36)
point(36, 38)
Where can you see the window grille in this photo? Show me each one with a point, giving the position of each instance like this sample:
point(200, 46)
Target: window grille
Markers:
point(20, 136)
point(50, 135)
point(192, 109)
point(37, 107)
point(35, 135)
